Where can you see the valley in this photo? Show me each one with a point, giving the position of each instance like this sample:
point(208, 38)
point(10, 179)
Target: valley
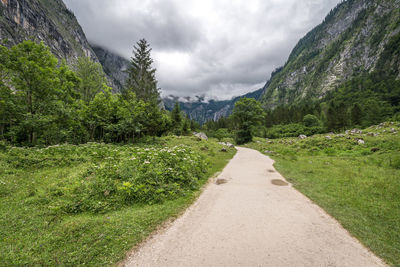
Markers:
point(103, 164)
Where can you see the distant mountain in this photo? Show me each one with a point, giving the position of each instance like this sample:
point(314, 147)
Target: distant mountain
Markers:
point(202, 111)
point(358, 36)
point(114, 66)
point(49, 21)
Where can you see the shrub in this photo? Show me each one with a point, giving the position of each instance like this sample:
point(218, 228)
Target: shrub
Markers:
point(147, 175)
point(243, 136)
point(221, 134)
point(310, 120)
point(292, 130)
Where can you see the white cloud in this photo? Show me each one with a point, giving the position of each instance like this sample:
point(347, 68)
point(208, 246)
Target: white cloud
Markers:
point(218, 48)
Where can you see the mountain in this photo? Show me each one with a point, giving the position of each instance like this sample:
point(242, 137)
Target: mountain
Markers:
point(114, 66)
point(201, 110)
point(358, 36)
point(49, 21)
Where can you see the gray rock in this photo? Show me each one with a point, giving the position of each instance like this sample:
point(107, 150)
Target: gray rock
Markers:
point(356, 131)
point(328, 137)
point(360, 141)
point(201, 136)
point(269, 152)
point(302, 136)
point(230, 145)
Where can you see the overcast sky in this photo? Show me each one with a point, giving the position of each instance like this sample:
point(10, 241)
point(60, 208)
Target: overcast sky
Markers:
point(217, 48)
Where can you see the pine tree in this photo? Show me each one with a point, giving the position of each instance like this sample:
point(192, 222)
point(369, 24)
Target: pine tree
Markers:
point(177, 118)
point(141, 79)
point(356, 114)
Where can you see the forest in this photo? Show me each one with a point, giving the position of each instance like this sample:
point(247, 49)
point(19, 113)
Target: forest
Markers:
point(46, 102)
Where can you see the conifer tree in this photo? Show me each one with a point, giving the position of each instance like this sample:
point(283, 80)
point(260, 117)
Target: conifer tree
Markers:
point(141, 79)
point(177, 118)
point(356, 114)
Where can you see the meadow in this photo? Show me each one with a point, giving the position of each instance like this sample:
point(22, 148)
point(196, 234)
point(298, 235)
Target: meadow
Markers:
point(89, 204)
point(354, 176)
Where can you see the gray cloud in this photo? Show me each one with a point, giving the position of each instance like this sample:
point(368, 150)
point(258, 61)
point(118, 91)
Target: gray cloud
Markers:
point(218, 48)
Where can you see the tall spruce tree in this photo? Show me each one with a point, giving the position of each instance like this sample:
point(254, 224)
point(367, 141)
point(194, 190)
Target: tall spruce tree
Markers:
point(141, 79)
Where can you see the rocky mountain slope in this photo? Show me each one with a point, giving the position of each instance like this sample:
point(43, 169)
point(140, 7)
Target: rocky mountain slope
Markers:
point(202, 111)
point(49, 21)
point(114, 66)
point(358, 36)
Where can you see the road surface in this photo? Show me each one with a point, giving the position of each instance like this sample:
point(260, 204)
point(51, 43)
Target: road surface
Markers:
point(249, 221)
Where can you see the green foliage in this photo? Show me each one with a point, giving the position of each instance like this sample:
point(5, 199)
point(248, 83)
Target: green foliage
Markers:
point(141, 79)
point(247, 114)
point(221, 134)
point(177, 118)
point(292, 130)
point(44, 102)
point(147, 175)
point(310, 120)
point(39, 195)
point(92, 78)
point(38, 95)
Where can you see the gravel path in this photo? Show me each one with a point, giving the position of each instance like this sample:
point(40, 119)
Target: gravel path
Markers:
point(249, 221)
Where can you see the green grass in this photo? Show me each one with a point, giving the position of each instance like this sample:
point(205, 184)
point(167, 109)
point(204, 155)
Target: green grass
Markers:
point(357, 186)
point(34, 232)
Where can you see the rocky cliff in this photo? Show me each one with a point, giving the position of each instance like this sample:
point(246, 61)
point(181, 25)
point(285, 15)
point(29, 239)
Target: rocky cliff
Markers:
point(49, 21)
point(358, 36)
point(114, 66)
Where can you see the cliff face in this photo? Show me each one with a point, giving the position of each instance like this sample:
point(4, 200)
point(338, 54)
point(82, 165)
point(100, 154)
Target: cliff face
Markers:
point(49, 21)
point(356, 37)
point(114, 66)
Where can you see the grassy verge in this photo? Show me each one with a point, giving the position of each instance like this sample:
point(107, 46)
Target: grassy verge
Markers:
point(36, 230)
point(358, 184)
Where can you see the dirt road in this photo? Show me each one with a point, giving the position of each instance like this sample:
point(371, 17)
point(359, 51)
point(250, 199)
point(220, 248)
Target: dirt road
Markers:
point(249, 221)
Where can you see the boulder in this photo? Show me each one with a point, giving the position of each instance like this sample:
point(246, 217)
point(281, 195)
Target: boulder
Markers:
point(201, 136)
point(230, 145)
point(356, 131)
point(360, 141)
point(227, 144)
point(302, 136)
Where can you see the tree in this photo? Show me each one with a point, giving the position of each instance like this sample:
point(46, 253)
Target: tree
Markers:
point(247, 114)
point(176, 118)
point(356, 114)
point(141, 79)
point(310, 120)
point(34, 82)
point(92, 78)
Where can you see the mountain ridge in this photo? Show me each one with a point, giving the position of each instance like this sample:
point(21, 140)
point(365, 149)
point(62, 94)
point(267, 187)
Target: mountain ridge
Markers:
point(350, 41)
point(203, 111)
point(49, 21)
